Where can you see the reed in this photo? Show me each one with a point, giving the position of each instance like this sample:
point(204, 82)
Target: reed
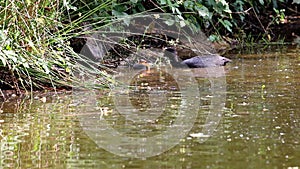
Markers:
point(34, 44)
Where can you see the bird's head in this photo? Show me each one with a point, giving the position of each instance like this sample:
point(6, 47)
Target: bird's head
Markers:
point(224, 61)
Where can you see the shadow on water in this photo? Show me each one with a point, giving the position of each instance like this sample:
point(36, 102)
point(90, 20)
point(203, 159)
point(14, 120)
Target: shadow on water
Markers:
point(157, 120)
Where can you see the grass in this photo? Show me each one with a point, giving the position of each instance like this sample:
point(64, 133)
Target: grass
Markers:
point(35, 38)
point(34, 46)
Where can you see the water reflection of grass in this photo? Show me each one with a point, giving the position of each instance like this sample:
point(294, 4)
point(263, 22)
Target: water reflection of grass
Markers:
point(36, 134)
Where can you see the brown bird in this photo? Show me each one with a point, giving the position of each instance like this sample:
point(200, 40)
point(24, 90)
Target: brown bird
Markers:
point(142, 65)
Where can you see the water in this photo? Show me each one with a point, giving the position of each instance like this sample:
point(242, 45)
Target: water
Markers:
point(248, 118)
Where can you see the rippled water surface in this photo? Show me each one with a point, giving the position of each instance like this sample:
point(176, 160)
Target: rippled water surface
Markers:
point(246, 115)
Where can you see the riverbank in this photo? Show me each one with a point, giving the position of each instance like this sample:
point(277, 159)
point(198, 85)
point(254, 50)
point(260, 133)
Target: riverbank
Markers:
point(41, 43)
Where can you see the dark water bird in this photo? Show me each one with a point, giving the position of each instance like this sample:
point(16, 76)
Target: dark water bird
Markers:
point(207, 60)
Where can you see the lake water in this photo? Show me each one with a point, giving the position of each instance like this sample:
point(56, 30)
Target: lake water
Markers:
point(244, 115)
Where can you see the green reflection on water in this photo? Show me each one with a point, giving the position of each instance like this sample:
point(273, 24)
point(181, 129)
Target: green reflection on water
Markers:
point(259, 128)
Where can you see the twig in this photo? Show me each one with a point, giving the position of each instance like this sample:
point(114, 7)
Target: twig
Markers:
point(157, 6)
point(2, 94)
point(259, 21)
point(245, 11)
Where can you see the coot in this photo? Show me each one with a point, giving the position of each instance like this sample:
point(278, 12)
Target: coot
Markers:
point(208, 60)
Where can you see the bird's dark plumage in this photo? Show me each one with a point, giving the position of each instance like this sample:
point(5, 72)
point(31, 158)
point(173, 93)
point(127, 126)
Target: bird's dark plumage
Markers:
point(202, 61)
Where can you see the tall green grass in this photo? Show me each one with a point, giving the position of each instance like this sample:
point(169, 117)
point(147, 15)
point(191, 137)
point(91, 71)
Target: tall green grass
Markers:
point(34, 43)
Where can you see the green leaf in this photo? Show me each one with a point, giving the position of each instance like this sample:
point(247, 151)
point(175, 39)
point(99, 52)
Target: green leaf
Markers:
point(261, 2)
point(134, 1)
point(45, 67)
point(25, 64)
point(140, 7)
point(3, 59)
point(203, 12)
point(7, 47)
point(170, 22)
point(177, 11)
point(122, 15)
point(182, 23)
point(188, 5)
point(11, 55)
point(213, 38)
point(226, 24)
point(296, 1)
point(163, 2)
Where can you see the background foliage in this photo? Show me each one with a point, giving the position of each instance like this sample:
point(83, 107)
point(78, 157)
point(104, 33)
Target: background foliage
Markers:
point(35, 35)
